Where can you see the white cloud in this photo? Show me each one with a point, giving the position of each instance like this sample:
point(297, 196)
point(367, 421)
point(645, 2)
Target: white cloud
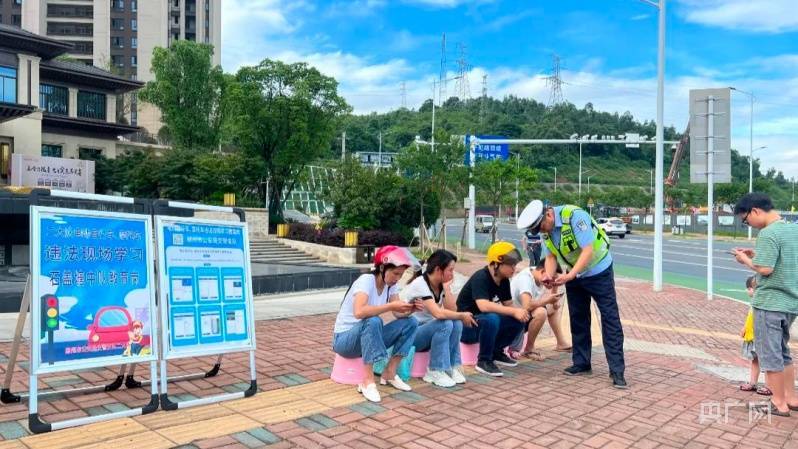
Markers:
point(765, 16)
point(447, 3)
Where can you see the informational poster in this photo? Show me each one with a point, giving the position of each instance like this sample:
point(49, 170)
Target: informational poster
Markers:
point(204, 286)
point(683, 220)
point(93, 296)
point(725, 220)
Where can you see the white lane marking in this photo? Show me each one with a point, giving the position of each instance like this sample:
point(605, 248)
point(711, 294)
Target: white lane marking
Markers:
point(682, 262)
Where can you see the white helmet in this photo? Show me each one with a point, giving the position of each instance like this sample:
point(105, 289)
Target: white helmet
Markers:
point(532, 215)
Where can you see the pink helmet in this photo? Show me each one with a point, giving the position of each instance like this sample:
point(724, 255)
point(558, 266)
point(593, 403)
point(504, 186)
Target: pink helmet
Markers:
point(394, 255)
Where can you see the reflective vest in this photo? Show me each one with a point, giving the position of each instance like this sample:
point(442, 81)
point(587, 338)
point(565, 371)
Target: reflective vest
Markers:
point(568, 252)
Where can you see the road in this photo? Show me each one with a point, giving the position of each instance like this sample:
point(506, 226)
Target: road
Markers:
point(684, 259)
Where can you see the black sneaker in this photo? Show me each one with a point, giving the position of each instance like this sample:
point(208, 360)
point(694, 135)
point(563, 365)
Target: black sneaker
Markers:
point(489, 368)
point(618, 381)
point(577, 371)
point(504, 360)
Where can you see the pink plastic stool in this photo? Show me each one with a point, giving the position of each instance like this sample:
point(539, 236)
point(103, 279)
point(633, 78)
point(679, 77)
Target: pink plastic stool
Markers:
point(420, 364)
point(469, 353)
point(347, 371)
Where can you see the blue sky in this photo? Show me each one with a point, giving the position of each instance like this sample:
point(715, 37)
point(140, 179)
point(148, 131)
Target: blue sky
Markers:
point(607, 50)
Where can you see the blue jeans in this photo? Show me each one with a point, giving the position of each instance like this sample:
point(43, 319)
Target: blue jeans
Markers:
point(601, 288)
point(369, 339)
point(442, 339)
point(494, 333)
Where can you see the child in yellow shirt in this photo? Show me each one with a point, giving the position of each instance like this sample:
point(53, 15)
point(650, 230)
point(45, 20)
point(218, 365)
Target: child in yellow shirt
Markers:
point(747, 350)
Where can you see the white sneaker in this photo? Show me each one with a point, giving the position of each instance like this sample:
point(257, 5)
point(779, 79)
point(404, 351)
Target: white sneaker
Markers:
point(457, 375)
point(397, 383)
point(369, 392)
point(439, 378)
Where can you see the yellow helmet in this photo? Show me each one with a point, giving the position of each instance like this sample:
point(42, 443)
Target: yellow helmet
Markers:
point(503, 252)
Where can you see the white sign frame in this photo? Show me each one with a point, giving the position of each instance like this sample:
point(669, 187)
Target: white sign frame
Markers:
point(169, 353)
point(36, 367)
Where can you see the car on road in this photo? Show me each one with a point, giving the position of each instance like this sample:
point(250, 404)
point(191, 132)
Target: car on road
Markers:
point(613, 226)
point(484, 223)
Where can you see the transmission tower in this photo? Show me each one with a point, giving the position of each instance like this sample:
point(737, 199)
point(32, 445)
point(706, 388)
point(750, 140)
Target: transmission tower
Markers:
point(442, 77)
point(463, 91)
point(483, 100)
point(404, 95)
point(554, 81)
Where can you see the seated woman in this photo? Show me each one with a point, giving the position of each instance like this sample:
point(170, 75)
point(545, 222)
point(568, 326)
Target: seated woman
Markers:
point(359, 330)
point(440, 325)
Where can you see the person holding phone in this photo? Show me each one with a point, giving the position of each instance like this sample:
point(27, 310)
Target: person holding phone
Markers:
point(359, 330)
point(574, 241)
point(488, 297)
point(542, 304)
point(440, 324)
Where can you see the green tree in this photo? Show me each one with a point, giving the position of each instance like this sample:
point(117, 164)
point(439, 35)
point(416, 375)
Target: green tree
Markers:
point(287, 115)
point(495, 181)
point(440, 171)
point(188, 90)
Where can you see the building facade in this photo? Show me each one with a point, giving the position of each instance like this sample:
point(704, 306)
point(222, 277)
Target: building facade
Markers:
point(108, 35)
point(56, 108)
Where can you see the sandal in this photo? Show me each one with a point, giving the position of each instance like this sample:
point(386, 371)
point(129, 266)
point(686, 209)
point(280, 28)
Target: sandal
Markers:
point(764, 391)
point(748, 387)
point(533, 355)
point(567, 349)
point(771, 408)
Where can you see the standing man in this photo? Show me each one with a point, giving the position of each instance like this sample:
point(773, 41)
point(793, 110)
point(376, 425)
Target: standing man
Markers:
point(574, 241)
point(775, 303)
point(533, 247)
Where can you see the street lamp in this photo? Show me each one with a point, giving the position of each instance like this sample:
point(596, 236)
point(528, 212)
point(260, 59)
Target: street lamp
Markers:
point(660, 151)
point(588, 184)
point(750, 145)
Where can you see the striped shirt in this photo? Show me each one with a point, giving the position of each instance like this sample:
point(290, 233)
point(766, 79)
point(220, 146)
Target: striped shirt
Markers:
point(777, 248)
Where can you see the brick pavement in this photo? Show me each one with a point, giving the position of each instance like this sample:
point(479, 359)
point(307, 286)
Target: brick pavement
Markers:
point(533, 406)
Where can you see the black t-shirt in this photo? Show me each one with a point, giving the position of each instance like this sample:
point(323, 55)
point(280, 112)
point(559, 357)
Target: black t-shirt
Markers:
point(482, 286)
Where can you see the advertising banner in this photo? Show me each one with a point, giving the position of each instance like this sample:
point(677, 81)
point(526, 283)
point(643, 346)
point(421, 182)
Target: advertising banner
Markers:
point(55, 173)
point(93, 297)
point(205, 287)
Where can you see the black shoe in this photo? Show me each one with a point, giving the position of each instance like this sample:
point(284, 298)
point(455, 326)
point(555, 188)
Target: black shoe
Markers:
point(577, 371)
point(489, 368)
point(503, 360)
point(618, 381)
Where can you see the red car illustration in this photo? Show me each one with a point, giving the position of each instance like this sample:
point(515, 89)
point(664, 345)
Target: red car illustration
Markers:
point(111, 326)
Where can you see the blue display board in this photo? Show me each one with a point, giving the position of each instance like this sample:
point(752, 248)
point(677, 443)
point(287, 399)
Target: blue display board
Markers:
point(204, 286)
point(93, 296)
point(487, 152)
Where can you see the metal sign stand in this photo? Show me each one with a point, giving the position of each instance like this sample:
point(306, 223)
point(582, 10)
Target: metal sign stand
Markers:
point(166, 403)
point(35, 423)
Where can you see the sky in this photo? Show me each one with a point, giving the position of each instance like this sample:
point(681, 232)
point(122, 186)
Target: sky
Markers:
point(607, 51)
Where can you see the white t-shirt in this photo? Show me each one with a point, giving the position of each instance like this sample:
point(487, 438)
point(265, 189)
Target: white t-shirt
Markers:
point(419, 289)
point(524, 282)
point(366, 283)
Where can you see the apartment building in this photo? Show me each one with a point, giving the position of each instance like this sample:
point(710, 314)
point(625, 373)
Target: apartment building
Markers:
point(120, 35)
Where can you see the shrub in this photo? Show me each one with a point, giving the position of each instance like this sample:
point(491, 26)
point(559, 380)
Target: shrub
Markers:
point(335, 236)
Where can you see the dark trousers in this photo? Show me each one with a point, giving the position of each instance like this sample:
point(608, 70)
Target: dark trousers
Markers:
point(534, 255)
point(601, 288)
point(494, 333)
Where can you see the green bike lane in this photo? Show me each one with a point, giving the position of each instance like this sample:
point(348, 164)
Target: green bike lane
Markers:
point(733, 290)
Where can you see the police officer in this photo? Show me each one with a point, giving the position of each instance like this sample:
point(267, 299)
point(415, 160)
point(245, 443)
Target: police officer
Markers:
point(572, 239)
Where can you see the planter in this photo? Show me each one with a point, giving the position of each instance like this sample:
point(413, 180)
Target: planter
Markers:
point(350, 239)
point(282, 230)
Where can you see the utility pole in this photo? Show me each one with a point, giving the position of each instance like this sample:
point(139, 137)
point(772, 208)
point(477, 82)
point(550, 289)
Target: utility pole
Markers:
point(379, 161)
point(483, 100)
point(554, 81)
point(442, 77)
point(432, 140)
point(404, 95)
point(463, 91)
point(555, 179)
point(343, 146)
point(517, 170)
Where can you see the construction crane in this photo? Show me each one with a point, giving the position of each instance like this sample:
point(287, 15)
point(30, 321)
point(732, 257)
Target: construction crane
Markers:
point(678, 156)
